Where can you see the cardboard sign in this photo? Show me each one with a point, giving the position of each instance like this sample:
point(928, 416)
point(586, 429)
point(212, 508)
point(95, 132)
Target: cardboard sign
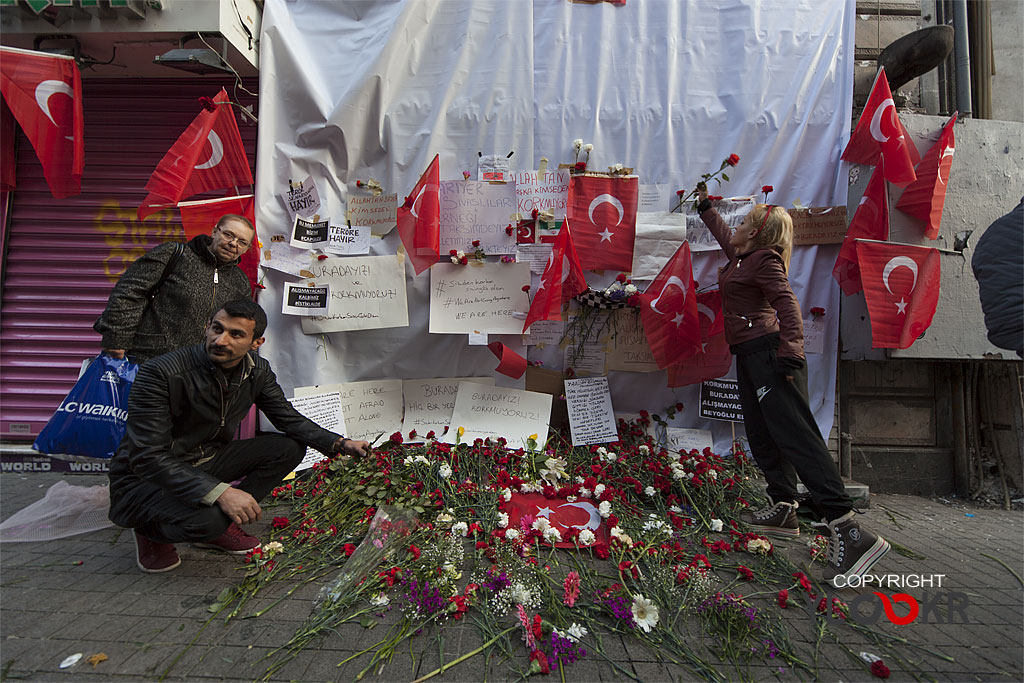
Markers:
point(309, 234)
point(348, 239)
point(473, 210)
point(819, 225)
point(429, 404)
point(498, 411)
point(720, 400)
point(628, 348)
point(323, 409)
point(301, 299)
point(591, 418)
point(376, 212)
point(301, 198)
point(485, 298)
point(689, 439)
point(367, 292)
point(547, 191)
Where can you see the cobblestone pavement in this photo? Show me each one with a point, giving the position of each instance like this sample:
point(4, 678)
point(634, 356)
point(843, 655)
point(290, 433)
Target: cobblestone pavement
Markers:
point(85, 595)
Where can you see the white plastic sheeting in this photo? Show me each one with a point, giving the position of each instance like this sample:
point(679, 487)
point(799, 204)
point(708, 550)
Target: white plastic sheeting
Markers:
point(352, 90)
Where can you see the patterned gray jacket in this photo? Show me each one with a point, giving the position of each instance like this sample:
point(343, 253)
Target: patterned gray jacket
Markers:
point(177, 316)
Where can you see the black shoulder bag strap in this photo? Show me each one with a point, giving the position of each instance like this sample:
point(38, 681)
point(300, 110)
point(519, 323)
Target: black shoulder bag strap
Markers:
point(179, 249)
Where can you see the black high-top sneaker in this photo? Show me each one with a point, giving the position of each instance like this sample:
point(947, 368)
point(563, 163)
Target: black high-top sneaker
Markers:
point(775, 519)
point(852, 549)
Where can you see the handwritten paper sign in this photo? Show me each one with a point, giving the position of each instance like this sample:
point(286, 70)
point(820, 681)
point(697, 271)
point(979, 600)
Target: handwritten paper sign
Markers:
point(819, 225)
point(370, 409)
point(689, 439)
point(494, 168)
point(323, 409)
point(367, 292)
point(652, 198)
point(498, 411)
point(628, 348)
point(591, 418)
point(814, 335)
point(429, 404)
point(285, 258)
point(536, 255)
point(301, 198)
point(731, 210)
point(465, 299)
point(720, 400)
point(309, 234)
point(547, 191)
point(545, 332)
point(300, 299)
point(585, 360)
point(348, 239)
point(376, 212)
point(473, 210)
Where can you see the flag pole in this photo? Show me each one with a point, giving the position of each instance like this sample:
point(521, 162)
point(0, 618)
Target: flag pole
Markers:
point(905, 244)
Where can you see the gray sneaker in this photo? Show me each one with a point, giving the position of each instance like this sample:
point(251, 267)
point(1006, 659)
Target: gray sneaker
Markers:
point(852, 549)
point(775, 519)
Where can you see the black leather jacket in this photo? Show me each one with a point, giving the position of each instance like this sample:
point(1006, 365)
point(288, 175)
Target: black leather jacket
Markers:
point(178, 417)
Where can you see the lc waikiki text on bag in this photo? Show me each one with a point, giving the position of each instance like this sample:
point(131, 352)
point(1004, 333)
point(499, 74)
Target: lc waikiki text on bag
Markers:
point(93, 417)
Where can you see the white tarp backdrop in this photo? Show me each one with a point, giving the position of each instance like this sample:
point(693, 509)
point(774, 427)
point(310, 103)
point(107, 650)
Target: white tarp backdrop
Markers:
point(376, 88)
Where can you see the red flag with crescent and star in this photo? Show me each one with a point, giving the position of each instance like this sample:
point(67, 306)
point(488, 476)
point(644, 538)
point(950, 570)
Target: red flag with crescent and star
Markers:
point(44, 93)
point(209, 155)
point(901, 287)
point(561, 280)
point(198, 218)
point(925, 197)
point(871, 221)
point(668, 311)
point(603, 215)
point(880, 135)
point(715, 358)
point(524, 508)
point(419, 219)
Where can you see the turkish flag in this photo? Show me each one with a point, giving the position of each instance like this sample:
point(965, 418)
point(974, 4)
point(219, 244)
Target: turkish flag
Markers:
point(198, 218)
point(871, 221)
point(603, 214)
point(901, 287)
point(524, 508)
point(419, 219)
point(209, 155)
point(715, 358)
point(561, 280)
point(44, 92)
point(880, 135)
point(668, 310)
point(925, 197)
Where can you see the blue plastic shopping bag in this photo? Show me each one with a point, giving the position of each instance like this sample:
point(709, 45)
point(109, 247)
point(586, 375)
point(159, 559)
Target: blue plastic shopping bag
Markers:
point(93, 417)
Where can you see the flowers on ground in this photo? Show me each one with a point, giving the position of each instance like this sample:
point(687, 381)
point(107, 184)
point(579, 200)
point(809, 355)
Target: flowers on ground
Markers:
point(645, 613)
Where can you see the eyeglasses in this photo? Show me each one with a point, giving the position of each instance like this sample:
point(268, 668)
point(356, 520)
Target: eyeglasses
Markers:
point(231, 238)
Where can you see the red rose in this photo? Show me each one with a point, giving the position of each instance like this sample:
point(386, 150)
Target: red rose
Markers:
point(879, 669)
point(767, 188)
point(476, 243)
point(526, 288)
point(817, 311)
point(733, 159)
point(580, 166)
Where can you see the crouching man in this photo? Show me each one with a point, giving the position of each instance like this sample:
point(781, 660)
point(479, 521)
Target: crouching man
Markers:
point(169, 479)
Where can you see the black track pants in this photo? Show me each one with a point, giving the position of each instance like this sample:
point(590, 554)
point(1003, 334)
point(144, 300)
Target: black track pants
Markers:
point(784, 438)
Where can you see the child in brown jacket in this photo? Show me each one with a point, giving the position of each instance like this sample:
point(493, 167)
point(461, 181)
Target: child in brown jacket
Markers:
point(764, 328)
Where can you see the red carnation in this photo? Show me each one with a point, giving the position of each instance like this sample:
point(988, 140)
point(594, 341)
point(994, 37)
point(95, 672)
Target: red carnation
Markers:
point(680, 193)
point(783, 598)
point(359, 183)
point(208, 104)
point(540, 662)
point(534, 214)
point(733, 159)
point(453, 252)
point(767, 188)
point(746, 573)
point(348, 549)
point(279, 522)
point(415, 551)
point(396, 438)
point(321, 257)
point(818, 311)
point(508, 229)
point(476, 243)
point(879, 669)
point(580, 166)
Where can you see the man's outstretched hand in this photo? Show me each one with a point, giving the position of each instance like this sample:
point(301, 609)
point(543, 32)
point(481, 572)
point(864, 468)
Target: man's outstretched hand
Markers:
point(239, 506)
point(352, 447)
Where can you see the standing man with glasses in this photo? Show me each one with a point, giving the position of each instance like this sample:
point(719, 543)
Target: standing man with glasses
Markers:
point(165, 298)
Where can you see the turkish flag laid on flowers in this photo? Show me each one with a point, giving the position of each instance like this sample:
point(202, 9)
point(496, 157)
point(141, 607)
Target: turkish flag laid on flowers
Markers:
point(871, 221)
point(668, 310)
point(603, 214)
point(901, 287)
point(880, 135)
point(419, 219)
point(570, 520)
point(209, 155)
point(561, 280)
point(925, 197)
point(198, 218)
point(714, 358)
point(44, 92)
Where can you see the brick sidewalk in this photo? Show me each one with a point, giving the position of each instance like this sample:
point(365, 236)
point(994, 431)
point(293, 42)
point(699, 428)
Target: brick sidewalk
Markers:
point(84, 594)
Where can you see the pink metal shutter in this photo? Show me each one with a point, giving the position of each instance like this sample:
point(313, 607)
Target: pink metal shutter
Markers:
point(62, 257)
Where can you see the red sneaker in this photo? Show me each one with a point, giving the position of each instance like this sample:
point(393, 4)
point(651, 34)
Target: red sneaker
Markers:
point(234, 541)
point(153, 557)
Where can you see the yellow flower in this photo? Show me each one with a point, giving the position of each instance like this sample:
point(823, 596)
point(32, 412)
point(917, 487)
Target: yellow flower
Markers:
point(532, 436)
point(462, 431)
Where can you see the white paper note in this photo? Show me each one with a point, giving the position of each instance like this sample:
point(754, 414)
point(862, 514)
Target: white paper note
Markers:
point(689, 439)
point(814, 335)
point(498, 411)
point(591, 418)
point(585, 361)
point(303, 299)
point(346, 239)
point(429, 404)
point(371, 409)
point(473, 210)
point(302, 199)
point(323, 409)
point(308, 233)
point(494, 167)
point(652, 198)
point(367, 292)
point(485, 298)
point(536, 255)
point(545, 332)
point(285, 258)
point(377, 212)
